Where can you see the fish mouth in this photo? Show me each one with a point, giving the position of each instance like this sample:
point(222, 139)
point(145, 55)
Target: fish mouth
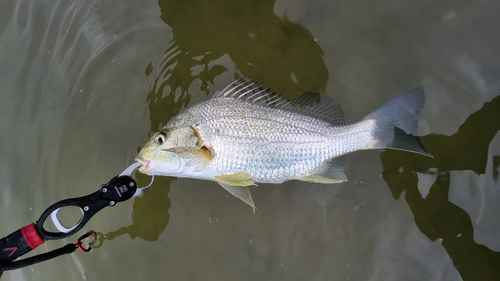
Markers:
point(144, 164)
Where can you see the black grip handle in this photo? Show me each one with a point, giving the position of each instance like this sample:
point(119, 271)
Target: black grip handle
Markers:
point(118, 189)
point(19, 242)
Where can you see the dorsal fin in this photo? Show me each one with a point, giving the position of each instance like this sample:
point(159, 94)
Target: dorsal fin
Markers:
point(311, 104)
point(318, 106)
point(250, 91)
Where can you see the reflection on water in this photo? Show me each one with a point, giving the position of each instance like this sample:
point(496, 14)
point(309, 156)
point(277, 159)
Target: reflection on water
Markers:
point(272, 50)
point(435, 216)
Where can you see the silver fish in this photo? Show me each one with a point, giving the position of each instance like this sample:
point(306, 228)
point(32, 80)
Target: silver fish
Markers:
point(246, 134)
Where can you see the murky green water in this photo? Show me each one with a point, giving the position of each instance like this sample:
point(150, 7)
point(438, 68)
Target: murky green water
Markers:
point(85, 83)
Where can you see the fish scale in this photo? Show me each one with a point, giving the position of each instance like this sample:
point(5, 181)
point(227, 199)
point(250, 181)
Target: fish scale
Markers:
point(257, 140)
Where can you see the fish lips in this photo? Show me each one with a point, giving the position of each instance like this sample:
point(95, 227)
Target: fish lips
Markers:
point(144, 168)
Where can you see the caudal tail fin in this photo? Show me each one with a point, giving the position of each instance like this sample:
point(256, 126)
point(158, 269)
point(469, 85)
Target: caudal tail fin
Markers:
point(396, 123)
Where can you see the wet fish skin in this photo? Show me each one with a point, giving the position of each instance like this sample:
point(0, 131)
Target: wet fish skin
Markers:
point(246, 134)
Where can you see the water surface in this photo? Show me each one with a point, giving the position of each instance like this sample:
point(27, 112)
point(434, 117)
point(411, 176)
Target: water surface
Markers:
point(85, 83)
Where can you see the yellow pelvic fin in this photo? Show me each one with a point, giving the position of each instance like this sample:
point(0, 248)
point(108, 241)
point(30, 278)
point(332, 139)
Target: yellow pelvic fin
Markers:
point(236, 184)
point(240, 192)
point(236, 179)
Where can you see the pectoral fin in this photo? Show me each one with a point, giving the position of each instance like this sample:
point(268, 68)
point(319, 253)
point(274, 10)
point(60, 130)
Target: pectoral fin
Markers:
point(195, 156)
point(329, 172)
point(236, 184)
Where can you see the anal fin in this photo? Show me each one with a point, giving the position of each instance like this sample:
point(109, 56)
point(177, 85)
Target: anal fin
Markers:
point(329, 172)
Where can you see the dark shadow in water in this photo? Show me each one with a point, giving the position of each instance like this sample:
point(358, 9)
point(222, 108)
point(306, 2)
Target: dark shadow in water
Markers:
point(207, 35)
point(434, 215)
point(262, 45)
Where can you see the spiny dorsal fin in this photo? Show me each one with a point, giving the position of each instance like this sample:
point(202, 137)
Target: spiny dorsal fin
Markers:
point(250, 91)
point(311, 104)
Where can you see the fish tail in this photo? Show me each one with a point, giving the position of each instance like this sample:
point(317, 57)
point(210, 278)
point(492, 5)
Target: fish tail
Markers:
point(396, 123)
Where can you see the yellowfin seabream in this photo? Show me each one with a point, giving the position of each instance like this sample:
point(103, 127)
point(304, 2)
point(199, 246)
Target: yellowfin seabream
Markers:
point(246, 134)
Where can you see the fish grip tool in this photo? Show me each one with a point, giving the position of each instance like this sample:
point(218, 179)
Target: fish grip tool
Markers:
point(118, 189)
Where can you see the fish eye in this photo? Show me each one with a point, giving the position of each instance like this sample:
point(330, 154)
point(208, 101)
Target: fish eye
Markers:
point(160, 138)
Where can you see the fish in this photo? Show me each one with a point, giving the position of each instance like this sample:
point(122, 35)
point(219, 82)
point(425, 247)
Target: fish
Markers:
point(246, 134)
